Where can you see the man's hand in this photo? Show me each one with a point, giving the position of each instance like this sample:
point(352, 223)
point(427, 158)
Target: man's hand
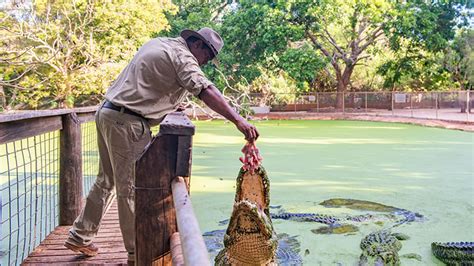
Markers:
point(213, 98)
point(250, 131)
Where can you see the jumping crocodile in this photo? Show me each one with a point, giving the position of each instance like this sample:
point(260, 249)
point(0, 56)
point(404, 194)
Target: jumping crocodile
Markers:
point(250, 238)
point(454, 253)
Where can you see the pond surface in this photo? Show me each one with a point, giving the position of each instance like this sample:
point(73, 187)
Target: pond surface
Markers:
point(424, 170)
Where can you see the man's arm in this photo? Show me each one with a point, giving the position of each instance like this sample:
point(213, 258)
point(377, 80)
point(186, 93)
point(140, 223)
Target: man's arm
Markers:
point(213, 98)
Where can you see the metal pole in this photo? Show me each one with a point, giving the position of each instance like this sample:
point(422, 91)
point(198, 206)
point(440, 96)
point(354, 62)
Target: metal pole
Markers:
point(343, 102)
point(317, 102)
point(393, 104)
point(436, 104)
point(295, 102)
point(411, 104)
point(468, 103)
point(366, 95)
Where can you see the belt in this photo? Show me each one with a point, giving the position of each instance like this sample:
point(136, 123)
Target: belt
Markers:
point(121, 109)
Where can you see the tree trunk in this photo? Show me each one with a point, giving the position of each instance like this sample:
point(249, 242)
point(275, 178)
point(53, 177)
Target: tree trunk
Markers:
point(342, 82)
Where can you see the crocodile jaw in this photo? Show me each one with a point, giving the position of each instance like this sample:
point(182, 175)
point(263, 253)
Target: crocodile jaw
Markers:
point(250, 238)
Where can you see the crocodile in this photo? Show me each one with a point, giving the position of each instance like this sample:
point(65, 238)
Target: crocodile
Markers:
point(347, 224)
point(454, 253)
point(287, 252)
point(381, 248)
point(250, 238)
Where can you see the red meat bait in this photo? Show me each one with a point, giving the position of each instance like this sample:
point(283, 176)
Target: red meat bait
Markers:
point(251, 158)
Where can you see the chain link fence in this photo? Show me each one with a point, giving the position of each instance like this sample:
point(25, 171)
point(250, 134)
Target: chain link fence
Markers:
point(452, 106)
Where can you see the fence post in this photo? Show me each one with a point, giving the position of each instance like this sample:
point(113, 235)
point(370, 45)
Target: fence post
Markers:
point(393, 104)
point(468, 100)
point(168, 155)
point(70, 169)
point(343, 102)
point(296, 99)
point(436, 103)
point(411, 104)
point(317, 102)
point(366, 95)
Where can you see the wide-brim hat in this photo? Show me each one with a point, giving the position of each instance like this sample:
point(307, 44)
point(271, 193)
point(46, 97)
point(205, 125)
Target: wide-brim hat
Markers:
point(209, 36)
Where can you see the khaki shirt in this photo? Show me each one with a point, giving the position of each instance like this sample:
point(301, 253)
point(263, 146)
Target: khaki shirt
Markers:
point(158, 78)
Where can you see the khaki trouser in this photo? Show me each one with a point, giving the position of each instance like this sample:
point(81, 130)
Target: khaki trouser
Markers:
point(121, 139)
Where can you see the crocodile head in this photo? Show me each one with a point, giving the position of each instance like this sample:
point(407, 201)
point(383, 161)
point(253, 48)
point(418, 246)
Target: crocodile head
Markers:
point(250, 238)
point(380, 248)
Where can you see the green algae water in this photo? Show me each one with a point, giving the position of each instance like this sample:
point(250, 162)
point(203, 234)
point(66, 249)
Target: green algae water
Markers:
point(424, 170)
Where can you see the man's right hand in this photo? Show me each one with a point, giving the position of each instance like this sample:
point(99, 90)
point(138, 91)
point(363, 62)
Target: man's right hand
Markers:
point(214, 99)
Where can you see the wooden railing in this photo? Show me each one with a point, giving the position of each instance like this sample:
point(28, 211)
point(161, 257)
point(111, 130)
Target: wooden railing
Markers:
point(29, 124)
point(27, 171)
point(162, 205)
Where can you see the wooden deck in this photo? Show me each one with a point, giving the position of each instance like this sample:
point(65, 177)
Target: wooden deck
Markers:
point(109, 240)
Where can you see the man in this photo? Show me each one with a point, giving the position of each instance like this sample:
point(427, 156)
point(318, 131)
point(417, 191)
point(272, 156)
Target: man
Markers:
point(153, 84)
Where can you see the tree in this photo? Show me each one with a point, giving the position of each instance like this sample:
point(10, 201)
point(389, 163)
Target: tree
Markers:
point(459, 59)
point(59, 53)
point(346, 33)
point(419, 35)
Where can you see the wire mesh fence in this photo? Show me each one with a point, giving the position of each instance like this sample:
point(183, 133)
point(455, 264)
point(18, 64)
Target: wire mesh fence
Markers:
point(29, 174)
point(90, 156)
point(30, 183)
point(454, 106)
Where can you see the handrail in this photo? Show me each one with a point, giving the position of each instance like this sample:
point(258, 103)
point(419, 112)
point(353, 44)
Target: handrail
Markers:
point(193, 247)
point(25, 124)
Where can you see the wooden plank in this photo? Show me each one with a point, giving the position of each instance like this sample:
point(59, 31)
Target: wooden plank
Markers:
point(86, 117)
point(153, 201)
point(16, 130)
point(183, 160)
point(70, 170)
point(177, 123)
point(51, 251)
point(29, 114)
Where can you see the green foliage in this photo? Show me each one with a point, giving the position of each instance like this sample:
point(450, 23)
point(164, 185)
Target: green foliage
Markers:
point(190, 15)
point(255, 32)
point(302, 64)
point(419, 34)
point(425, 25)
point(274, 88)
point(459, 59)
point(56, 54)
point(62, 53)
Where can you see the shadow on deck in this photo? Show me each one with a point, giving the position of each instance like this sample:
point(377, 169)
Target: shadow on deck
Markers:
point(51, 251)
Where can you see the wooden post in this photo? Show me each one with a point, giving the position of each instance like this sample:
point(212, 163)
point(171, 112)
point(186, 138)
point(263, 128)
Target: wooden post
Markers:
point(70, 170)
point(155, 216)
point(176, 250)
